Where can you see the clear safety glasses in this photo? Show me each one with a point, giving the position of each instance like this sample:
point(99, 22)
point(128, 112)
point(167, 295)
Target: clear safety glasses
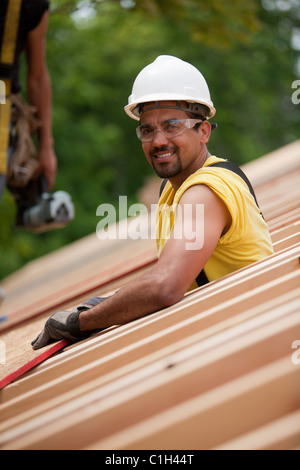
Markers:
point(170, 128)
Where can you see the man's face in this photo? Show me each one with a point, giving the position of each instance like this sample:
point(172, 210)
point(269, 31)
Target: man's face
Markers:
point(172, 157)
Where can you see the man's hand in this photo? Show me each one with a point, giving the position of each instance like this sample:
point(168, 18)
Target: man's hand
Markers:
point(65, 325)
point(61, 325)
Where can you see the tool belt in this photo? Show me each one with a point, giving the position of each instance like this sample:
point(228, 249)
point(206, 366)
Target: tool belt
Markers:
point(22, 162)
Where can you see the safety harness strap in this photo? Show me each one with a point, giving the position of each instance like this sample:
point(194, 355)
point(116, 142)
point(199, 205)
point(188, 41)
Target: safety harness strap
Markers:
point(7, 57)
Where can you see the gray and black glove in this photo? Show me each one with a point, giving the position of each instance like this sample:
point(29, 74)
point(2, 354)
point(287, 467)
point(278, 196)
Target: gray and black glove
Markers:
point(65, 325)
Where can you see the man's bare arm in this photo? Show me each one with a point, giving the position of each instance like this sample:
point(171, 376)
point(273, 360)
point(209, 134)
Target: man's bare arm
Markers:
point(40, 95)
point(162, 286)
point(174, 272)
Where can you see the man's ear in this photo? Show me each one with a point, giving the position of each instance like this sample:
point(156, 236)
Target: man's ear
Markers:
point(204, 132)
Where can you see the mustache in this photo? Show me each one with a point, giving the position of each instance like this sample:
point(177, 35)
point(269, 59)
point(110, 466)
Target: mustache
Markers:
point(162, 148)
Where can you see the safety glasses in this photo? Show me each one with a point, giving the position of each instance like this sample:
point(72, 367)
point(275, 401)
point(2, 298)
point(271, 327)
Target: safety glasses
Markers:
point(170, 128)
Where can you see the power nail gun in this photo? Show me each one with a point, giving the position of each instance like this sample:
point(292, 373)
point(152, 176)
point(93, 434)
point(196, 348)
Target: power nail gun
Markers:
point(40, 211)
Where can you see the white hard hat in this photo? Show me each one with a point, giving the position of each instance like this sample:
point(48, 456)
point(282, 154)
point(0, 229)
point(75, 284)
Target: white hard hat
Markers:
point(169, 79)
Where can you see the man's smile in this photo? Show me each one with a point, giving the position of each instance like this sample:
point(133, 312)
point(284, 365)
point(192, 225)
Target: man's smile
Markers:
point(162, 155)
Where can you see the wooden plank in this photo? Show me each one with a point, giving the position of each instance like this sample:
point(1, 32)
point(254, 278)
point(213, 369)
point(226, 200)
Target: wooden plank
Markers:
point(284, 219)
point(280, 434)
point(33, 363)
point(83, 256)
point(60, 274)
point(201, 300)
point(36, 302)
point(162, 390)
point(24, 345)
point(41, 308)
point(271, 166)
point(100, 373)
point(278, 185)
point(287, 242)
point(286, 231)
point(237, 289)
point(17, 335)
point(207, 420)
point(290, 202)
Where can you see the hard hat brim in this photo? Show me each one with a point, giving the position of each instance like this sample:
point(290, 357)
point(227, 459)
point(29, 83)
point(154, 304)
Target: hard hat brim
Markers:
point(131, 107)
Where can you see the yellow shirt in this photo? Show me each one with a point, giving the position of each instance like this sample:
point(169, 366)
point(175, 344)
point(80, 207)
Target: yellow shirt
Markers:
point(247, 240)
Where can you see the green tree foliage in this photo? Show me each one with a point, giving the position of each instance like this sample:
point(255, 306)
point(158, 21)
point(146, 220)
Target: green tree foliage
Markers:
point(95, 50)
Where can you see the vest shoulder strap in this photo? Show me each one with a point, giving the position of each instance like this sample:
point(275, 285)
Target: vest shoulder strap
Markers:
point(236, 169)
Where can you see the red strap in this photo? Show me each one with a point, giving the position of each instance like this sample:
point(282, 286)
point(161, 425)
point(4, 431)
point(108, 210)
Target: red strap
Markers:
point(34, 362)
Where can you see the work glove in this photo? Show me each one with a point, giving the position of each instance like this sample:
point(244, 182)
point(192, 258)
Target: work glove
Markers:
point(65, 325)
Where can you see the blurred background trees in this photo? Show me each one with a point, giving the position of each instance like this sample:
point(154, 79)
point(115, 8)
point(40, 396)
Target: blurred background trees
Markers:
point(249, 54)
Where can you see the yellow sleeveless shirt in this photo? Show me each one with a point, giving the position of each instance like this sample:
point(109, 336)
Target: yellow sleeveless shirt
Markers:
point(247, 240)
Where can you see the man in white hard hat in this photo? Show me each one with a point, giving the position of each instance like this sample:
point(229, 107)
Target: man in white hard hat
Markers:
point(206, 195)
